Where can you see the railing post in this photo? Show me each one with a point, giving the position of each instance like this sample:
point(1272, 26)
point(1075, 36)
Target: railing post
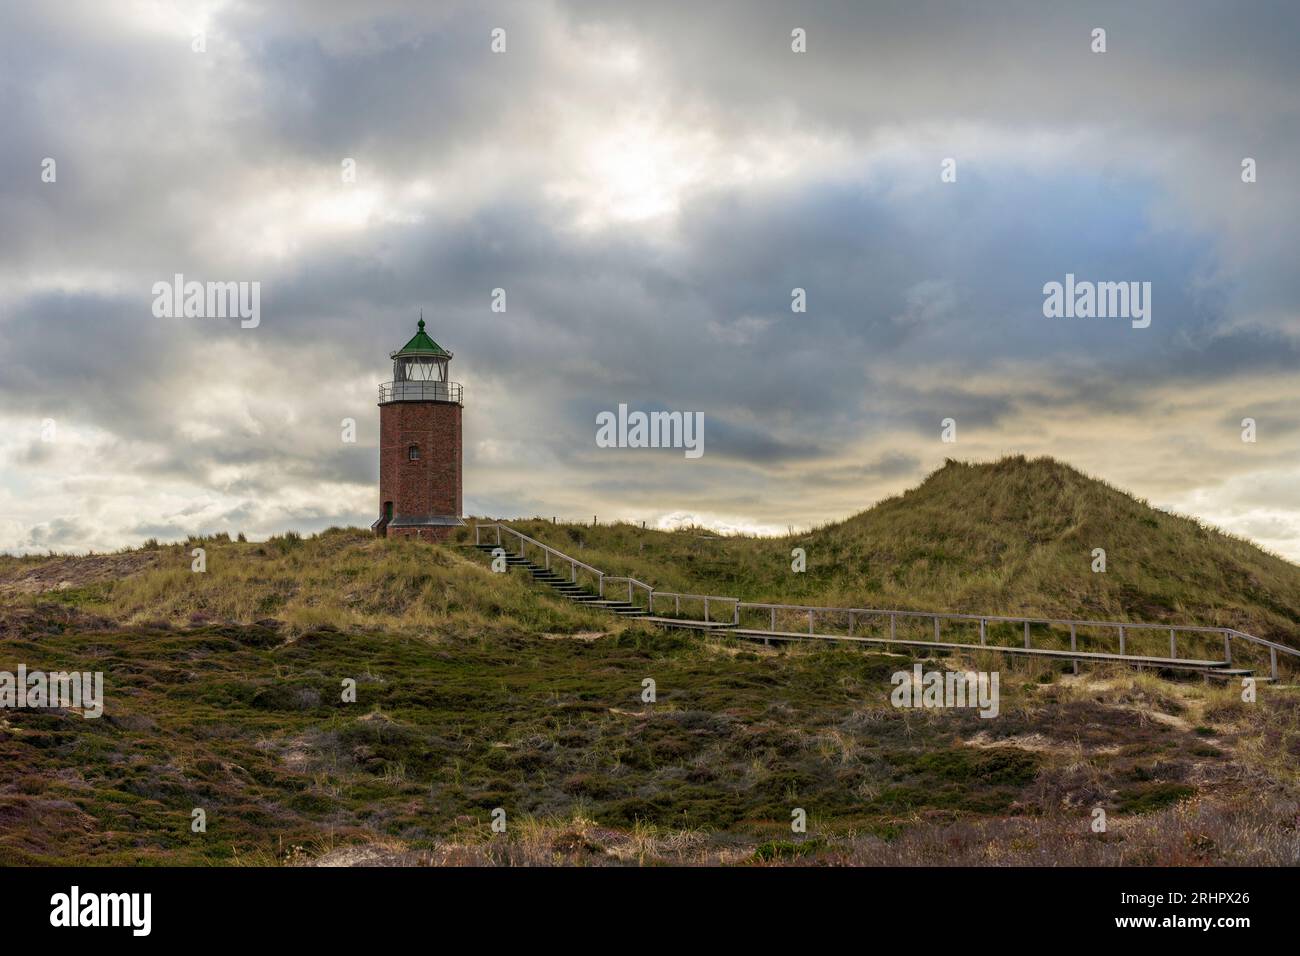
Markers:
point(629, 590)
point(810, 621)
point(706, 607)
point(498, 527)
point(850, 623)
point(893, 621)
point(1121, 640)
point(936, 628)
point(1026, 635)
point(1074, 647)
point(773, 619)
point(735, 618)
point(1173, 644)
point(1272, 661)
point(573, 571)
point(1227, 648)
point(983, 634)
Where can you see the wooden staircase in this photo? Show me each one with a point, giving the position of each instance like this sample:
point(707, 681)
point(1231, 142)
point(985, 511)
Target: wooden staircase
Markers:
point(564, 586)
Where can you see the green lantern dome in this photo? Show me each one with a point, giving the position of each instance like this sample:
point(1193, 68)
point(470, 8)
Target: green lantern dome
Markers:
point(421, 344)
point(420, 373)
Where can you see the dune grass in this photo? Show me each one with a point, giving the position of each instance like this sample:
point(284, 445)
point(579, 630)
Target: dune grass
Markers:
point(1011, 537)
point(344, 578)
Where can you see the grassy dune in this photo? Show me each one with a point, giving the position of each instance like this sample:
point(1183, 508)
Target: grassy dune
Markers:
point(1011, 537)
point(344, 578)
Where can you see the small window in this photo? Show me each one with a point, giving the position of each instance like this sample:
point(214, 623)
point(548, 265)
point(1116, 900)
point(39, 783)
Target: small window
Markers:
point(413, 453)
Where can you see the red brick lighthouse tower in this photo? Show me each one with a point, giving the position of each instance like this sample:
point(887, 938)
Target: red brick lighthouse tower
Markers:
point(419, 444)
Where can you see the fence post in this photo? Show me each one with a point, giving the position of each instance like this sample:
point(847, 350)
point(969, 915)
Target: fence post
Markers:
point(1074, 648)
point(1026, 635)
point(1227, 648)
point(773, 619)
point(1121, 640)
point(1272, 661)
point(810, 621)
point(629, 590)
point(498, 535)
point(706, 607)
point(936, 628)
point(573, 572)
point(677, 604)
point(1173, 644)
point(850, 623)
point(893, 620)
point(983, 637)
point(735, 618)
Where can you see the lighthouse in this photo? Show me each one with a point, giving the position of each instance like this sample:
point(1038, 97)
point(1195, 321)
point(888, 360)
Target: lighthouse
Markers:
point(419, 444)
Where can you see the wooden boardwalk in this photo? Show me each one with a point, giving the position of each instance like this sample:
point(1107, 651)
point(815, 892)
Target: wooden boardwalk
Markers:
point(580, 582)
point(1219, 667)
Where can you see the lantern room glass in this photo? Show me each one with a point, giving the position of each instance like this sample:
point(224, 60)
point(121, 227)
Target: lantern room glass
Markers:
point(419, 368)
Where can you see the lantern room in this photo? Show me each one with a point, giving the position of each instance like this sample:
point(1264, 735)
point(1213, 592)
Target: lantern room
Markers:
point(420, 372)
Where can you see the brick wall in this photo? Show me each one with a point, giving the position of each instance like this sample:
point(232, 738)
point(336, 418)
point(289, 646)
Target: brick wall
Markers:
point(431, 485)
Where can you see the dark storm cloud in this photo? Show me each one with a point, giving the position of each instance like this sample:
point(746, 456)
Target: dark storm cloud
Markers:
point(61, 532)
point(889, 467)
point(884, 61)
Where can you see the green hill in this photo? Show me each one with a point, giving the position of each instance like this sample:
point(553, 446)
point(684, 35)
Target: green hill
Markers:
point(1011, 537)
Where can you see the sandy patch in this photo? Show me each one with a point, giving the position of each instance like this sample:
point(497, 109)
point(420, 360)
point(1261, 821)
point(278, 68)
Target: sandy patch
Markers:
point(60, 574)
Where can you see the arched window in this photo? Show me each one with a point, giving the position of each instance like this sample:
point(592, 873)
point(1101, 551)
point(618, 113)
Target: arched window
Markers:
point(413, 453)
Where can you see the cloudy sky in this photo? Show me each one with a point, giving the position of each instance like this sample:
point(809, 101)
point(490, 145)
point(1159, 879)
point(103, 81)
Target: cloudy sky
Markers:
point(648, 182)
